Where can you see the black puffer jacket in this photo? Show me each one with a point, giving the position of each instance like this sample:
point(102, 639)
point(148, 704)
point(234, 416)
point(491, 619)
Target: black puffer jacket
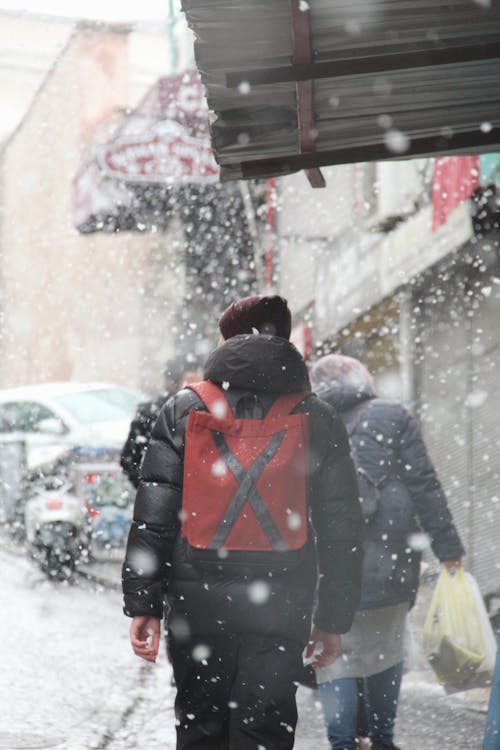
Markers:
point(138, 437)
point(257, 369)
point(388, 443)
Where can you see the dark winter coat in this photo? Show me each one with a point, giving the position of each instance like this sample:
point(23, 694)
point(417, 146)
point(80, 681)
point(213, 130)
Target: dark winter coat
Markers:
point(139, 435)
point(257, 368)
point(388, 445)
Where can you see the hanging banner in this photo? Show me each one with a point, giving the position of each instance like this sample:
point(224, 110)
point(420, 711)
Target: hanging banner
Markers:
point(455, 179)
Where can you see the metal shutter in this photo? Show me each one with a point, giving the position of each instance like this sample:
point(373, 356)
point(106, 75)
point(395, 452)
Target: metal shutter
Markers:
point(443, 393)
point(484, 405)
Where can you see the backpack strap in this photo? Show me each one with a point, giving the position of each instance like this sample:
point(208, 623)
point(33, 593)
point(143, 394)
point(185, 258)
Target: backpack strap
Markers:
point(284, 405)
point(212, 396)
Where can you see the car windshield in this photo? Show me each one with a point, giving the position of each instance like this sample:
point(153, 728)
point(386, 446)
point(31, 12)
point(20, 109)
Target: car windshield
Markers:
point(100, 405)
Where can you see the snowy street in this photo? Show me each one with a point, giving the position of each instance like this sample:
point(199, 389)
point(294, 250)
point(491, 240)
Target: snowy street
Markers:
point(249, 360)
point(70, 682)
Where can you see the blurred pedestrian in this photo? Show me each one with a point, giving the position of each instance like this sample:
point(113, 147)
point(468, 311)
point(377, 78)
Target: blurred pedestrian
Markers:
point(240, 596)
point(401, 498)
point(178, 370)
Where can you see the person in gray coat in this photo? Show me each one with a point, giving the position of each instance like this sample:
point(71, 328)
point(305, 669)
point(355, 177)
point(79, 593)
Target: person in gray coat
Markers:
point(403, 505)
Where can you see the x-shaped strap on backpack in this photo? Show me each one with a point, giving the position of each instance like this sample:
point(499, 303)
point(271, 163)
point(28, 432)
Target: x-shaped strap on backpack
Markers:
point(246, 477)
point(247, 490)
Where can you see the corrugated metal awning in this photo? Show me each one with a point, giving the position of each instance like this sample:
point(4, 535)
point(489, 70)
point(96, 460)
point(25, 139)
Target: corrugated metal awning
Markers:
point(296, 85)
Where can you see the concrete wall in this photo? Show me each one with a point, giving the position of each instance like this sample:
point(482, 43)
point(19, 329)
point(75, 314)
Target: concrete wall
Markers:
point(28, 50)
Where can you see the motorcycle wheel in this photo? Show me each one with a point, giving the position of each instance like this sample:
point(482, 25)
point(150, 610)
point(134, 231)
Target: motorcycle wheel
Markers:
point(60, 564)
point(58, 558)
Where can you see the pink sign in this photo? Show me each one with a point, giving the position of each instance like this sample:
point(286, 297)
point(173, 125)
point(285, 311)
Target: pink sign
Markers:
point(174, 147)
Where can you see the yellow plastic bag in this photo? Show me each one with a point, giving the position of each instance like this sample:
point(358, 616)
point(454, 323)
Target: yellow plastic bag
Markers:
point(453, 639)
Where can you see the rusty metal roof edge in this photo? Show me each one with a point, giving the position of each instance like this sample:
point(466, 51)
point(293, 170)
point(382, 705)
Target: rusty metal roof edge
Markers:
point(465, 143)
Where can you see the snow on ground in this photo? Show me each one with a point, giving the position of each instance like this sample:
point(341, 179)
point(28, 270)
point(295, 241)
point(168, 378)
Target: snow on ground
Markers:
point(151, 725)
point(68, 675)
point(69, 680)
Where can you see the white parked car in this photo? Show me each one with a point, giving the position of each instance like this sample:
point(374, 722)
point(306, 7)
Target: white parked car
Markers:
point(52, 417)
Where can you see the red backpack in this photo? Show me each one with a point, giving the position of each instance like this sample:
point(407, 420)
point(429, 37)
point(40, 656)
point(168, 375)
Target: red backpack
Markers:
point(244, 497)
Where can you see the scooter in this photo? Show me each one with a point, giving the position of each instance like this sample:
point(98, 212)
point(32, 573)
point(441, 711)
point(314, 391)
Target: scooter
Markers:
point(108, 496)
point(57, 527)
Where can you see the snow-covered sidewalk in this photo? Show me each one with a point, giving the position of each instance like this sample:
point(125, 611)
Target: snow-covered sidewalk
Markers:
point(68, 676)
point(69, 680)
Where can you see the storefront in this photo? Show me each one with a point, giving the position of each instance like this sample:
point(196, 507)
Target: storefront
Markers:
point(457, 314)
point(420, 305)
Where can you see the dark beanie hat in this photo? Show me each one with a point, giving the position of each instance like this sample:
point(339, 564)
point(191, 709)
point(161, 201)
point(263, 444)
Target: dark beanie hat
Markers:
point(269, 315)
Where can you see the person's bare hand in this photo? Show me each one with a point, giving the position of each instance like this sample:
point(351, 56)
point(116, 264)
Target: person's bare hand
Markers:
point(330, 647)
point(145, 637)
point(452, 564)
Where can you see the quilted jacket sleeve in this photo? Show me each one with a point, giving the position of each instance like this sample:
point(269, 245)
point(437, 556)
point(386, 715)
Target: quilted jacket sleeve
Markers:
point(137, 439)
point(425, 489)
point(156, 519)
point(337, 520)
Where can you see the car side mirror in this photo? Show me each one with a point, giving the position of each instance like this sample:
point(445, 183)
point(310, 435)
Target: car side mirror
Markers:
point(51, 426)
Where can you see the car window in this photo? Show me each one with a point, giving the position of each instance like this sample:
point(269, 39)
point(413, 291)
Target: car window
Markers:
point(23, 416)
point(100, 405)
point(9, 418)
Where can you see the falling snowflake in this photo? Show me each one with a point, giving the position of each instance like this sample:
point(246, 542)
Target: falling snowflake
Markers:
point(219, 409)
point(244, 88)
point(143, 562)
point(396, 141)
point(293, 521)
point(219, 468)
point(201, 652)
point(418, 542)
point(259, 592)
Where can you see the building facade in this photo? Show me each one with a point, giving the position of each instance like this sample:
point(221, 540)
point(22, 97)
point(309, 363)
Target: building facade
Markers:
point(77, 307)
point(399, 265)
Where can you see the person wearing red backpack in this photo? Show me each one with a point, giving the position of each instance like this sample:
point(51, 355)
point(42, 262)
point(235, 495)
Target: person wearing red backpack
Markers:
point(247, 515)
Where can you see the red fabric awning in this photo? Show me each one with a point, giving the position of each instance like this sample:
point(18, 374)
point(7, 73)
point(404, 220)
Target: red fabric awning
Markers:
point(455, 179)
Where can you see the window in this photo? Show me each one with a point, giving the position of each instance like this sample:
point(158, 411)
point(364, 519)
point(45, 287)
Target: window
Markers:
point(23, 416)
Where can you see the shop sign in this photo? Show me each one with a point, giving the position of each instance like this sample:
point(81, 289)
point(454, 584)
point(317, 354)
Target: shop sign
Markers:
point(413, 246)
point(348, 283)
point(168, 153)
point(166, 139)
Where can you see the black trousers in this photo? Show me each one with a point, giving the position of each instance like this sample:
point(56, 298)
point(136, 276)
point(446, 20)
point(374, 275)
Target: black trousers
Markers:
point(236, 692)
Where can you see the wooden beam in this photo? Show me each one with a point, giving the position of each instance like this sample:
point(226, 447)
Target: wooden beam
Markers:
point(302, 55)
point(434, 145)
